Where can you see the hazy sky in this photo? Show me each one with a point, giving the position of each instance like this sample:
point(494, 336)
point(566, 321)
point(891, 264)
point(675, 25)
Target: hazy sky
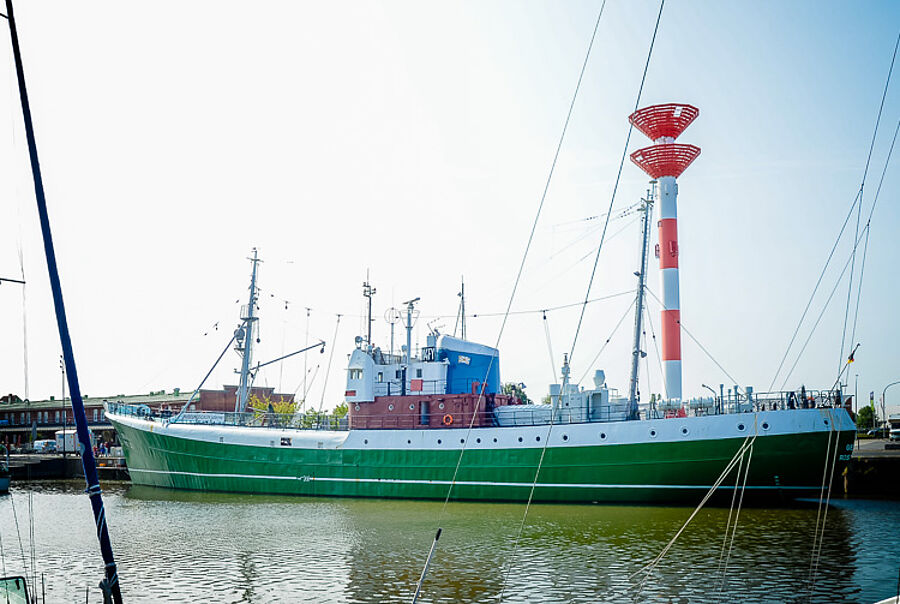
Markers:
point(413, 140)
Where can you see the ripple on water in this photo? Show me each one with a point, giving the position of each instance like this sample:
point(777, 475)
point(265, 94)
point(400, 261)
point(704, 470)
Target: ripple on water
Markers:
point(203, 547)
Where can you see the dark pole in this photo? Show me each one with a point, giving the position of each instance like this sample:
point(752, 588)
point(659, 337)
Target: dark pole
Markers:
point(62, 408)
point(110, 584)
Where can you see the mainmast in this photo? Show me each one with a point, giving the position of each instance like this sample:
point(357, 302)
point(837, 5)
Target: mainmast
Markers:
point(244, 339)
point(638, 354)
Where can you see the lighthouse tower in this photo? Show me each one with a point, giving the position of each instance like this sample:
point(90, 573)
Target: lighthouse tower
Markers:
point(664, 161)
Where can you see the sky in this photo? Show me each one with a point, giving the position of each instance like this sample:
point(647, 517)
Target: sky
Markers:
point(411, 141)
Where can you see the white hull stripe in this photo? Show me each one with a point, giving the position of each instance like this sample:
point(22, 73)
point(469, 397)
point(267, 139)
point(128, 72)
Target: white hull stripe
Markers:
point(475, 483)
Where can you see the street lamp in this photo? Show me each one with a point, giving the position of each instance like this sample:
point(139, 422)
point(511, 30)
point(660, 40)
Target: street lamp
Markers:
point(884, 402)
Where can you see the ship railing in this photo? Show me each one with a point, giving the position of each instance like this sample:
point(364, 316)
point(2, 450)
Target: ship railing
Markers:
point(311, 420)
point(749, 402)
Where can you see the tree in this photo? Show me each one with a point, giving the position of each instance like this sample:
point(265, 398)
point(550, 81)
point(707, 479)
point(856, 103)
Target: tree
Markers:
point(866, 418)
point(279, 410)
point(517, 391)
point(341, 410)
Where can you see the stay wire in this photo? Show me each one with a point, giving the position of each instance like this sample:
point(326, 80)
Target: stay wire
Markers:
point(612, 199)
point(512, 296)
point(552, 308)
point(328, 368)
point(858, 199)
point(656, 347)
point(584, 306)
point(695, 341)
point(549, 346)
point(862, 267)
point(607, 341)
point(818, 319)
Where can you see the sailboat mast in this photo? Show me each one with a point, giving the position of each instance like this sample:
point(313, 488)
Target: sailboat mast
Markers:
point(249, 319)
point(647, 209)
point(110, 583)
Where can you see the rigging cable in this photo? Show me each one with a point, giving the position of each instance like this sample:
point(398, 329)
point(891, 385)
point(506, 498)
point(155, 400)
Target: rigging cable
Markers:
point(857, 199)
point(549, 347)
point(606, 342)
point(648, 568)
point(862, 267)
point(584, 305)
point(656, 347)
point(817, 537)
point(861, 187)
point(512, 295)
point(553, 308)
point(737, 513)
point(612, 199)
point(328, 368)
point(821, 314)
point(695, 341)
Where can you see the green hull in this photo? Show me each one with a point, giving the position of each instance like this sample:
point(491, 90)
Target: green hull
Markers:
point(783, 466)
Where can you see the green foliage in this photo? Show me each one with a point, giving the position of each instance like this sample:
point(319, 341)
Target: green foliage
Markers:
point(341, 410)
point(865, 419)
point(546, 400)
point(516, 390)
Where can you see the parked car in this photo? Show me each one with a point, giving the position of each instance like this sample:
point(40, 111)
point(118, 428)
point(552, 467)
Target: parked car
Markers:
point(45, 446)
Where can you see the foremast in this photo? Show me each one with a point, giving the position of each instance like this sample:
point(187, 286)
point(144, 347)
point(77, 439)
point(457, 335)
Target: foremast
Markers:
point(244, 339)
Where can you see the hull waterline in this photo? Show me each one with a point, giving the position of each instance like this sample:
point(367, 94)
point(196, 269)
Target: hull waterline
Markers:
point(667, 460)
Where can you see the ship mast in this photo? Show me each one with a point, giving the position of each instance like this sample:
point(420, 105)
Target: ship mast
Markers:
point(244, 337)
point(638, 354)
point(368, 292)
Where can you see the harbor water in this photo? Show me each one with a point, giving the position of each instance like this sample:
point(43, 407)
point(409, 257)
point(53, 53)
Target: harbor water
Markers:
point(204, 547)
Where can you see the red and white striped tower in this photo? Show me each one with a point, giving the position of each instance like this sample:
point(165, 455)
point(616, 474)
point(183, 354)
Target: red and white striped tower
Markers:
point(665, 161)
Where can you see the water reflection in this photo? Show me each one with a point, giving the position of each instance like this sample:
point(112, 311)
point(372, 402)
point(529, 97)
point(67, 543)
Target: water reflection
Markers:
point(186, 546)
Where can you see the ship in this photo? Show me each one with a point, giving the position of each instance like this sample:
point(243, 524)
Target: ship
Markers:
point(434, 422)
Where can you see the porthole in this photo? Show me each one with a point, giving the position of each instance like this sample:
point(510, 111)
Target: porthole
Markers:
point(684, 431)
point(495, 439)
point(603, 436)
point(765, 426)
point(520, 439)
point(409, 442)
point(412, 407)
point(462, 441)
point(826, 422)
point(565, 437)
point(652, 433)
point(357, 408)
point(478, 440)
point(440, 405)
point(537, 438)
point(391, 407)
point(365, 442)
point(439, 441)
point(741, 427)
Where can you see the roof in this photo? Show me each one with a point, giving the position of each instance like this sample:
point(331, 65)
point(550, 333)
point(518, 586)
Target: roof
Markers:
point(153, 398)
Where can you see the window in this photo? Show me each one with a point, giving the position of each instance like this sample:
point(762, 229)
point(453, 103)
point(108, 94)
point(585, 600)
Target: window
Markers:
point(380, 376)
point(398, 374)
point(57, 417)
point(418, 373)
point(356, 374)
point(95, 414)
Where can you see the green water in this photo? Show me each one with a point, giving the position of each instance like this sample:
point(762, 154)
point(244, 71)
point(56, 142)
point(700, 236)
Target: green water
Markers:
point(201, 547)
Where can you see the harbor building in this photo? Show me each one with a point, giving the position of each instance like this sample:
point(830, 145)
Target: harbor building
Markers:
point(23, 421)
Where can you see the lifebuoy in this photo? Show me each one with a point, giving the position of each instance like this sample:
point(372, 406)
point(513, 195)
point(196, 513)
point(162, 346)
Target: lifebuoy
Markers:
point(448, 419)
